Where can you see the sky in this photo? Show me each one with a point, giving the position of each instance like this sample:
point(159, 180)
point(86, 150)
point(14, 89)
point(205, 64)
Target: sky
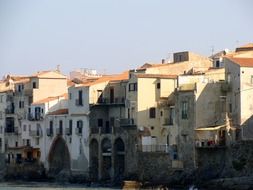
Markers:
point(112, 36)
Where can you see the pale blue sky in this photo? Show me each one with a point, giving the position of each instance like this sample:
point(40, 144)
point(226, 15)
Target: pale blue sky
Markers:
point(115, 35)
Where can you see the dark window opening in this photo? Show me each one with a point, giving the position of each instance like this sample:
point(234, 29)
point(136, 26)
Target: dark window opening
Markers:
point(217, 63)
point(34, 85)
point(152, 112)
point(100, 122)
point(158, 85)
point(184, 110)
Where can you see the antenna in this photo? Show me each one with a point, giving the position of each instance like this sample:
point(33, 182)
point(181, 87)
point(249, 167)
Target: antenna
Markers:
point(212, 49)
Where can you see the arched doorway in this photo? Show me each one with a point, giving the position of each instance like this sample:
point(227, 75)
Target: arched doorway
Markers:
point(119, 159)
point(94, 160)
point(59, 157)
point(106, 146)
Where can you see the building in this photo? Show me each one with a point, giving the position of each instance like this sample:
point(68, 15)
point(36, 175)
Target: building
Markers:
point(239, 77)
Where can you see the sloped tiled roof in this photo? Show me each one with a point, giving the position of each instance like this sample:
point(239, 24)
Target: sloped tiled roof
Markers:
point(242, 62)
point(246, 47)
point(59, 112)
point(108, 78)
point(156, 76)
point(48, 99)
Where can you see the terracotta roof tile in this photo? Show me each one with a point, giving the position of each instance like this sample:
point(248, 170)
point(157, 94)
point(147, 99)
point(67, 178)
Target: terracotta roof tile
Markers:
point(108, 78)
point(243, 62)
point(156, 76)
point(59, 112)
point(48, 99)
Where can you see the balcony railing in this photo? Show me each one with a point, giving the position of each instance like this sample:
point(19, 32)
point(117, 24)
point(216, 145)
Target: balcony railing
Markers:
point(68, 131)
point(127, 122)
point(9, 129)
point(10, 110)
point(168, 121)
point(153, 148)
point(79, 131)
point(50, 132)
point(210, 143)
point(35, 133)
point(28, 92)
point(109, 101)
point(79, 102)
point(36, 117)
point(94, 130)
point(225, 87)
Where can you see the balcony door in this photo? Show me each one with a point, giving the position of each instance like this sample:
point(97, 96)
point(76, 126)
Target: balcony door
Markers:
point(111, 95)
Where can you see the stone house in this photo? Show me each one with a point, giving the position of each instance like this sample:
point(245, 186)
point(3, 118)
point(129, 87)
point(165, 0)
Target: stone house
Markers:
point(239, 77)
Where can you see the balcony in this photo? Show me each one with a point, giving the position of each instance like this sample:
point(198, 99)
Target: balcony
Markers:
point(79, 102)
point(168, 121)
point(28, 92)
point(101, 130)
point(50, 132)
point(9, 98)
point(153, 148)
point(36, 117)
point(10, 110)
point(9, 129)
point(68, 131)
point(59, 131)
point(35, 133)
point(210, 143)
point(79, 131)
point(111, 101)
point(127, 122)
point(225, 87)
point(95, 130)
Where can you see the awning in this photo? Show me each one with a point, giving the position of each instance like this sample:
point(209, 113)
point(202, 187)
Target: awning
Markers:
point(213, 128)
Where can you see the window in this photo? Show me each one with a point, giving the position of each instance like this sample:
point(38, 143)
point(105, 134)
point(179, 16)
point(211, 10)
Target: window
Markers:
point(230, 108)
point(80, 98)
point(51, 123)
point(16, 144)
point(1, 115)
point(79, 126)
point(217, 63)
point(152, 112)
point(70, 126)
point(21, 104)
point(34, 85)
point(1, 129)
point(27, 142)
point(60, 127)
point(100, 122)
point(251, 79)
point(24, 127)
point(158, 85)
point(184, 110)
point(171, 115)
point(19, 88)
point(132, 87)
point(1, 143)
point(229, 78)
point(70, 96)
point(37, 140)
point(1, 98)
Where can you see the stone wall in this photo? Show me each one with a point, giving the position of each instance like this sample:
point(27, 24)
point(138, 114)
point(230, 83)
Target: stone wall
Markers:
point(2, 161)
point(153, 166)
point(233, 161)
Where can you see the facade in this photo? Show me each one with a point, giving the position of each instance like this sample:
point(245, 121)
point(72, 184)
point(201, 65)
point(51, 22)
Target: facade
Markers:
point(240, 80)
point(104, 126)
